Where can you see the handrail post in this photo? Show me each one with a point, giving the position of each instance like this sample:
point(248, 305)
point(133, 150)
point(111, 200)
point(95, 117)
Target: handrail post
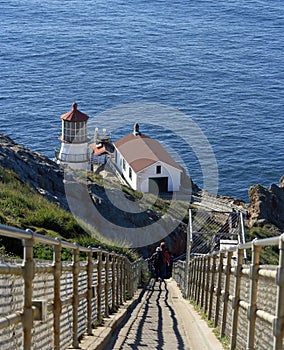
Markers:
point(106, 284)
point(211, 289)
point(28, 267)
point(226, 294)
point(121, 281)
point(99, 285)
point(75, 302)
point(278, 325)
point(188, 249)
point(190, 278)
point(90, 292)
point(57, 306)
point(218, 289)
point(113, 280)
point(203, 272)
point(254, 267)
point(123, 267)
point(207, 284)
point(130, 278)
point(127, 278)
point(117, 300)
point(236, 299)
point(194, 275)
point(198, 280)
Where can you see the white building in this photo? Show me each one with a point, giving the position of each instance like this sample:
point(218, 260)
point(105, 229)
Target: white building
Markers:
point(146, 165)
point(74, 150)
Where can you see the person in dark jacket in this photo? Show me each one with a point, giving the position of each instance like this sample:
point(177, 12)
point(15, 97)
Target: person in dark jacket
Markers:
point(165, 261)
point(157, 262)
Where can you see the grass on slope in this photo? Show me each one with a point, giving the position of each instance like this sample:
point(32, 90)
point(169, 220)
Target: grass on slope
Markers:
point(269, 254)
point(23, 208)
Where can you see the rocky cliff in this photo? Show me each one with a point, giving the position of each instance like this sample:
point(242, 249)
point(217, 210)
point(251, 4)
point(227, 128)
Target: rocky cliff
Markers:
point(267, 205)
point(41, 173)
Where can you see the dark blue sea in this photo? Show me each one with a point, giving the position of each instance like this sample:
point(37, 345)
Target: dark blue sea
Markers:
point(220, 63)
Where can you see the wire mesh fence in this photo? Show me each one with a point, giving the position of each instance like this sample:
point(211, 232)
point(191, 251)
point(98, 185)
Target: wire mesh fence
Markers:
point(210, 231)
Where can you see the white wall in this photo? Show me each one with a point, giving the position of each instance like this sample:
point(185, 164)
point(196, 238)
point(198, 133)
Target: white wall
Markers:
point(140, 181)
point(74, 155)
point(125, 172)
point(173, 175)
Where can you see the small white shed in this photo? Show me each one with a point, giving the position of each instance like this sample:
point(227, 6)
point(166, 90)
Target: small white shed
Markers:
point(146, 165)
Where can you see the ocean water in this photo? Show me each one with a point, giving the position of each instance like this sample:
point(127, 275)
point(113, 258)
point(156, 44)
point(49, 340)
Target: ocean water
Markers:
point(220, 63)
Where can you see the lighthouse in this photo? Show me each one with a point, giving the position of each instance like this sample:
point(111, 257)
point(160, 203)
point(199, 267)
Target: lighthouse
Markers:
point(74, 150)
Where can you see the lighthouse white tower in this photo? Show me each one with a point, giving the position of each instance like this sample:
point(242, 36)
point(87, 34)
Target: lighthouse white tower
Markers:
point(74, 139)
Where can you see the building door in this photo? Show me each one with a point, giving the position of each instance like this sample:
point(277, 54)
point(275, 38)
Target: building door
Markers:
point(158, 184)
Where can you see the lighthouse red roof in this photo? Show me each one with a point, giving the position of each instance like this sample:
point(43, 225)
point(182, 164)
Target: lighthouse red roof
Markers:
point(75, 115)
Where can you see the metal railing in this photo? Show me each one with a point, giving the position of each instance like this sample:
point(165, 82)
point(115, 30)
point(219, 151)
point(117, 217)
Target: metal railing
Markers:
point(71, 157)
point(208, 230)
point(56, 302)
point(246, 301)
point(209, 201)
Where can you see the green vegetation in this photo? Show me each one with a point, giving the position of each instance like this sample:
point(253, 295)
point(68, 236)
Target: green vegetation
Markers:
point(23, 208)
point(270, 254)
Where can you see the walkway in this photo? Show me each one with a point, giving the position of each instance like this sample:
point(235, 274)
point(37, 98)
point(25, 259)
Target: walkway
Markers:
point(163, 320)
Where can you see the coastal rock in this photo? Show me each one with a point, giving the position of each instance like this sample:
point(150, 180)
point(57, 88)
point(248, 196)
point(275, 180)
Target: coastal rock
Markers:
point(266, 205)
point(33, 168)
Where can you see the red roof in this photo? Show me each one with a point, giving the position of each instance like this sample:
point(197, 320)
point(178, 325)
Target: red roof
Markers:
point(142, 151)
point(103, 148)
point(75, 115)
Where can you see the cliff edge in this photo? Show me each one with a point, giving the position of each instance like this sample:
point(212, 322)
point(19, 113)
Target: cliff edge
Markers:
point(41, 173)
point(267, 205)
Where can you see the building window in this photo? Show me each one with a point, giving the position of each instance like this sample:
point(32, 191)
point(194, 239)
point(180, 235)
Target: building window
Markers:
point(130, 173)
point(123, 164)
point(158, 169)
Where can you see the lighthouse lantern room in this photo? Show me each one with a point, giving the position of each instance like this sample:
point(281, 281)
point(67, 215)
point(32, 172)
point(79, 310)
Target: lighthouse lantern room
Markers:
point(74, 139)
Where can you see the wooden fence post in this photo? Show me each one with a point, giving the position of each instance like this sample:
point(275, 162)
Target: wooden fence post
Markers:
point(194, 282)
point(75, 302)
point(191, 278)
point(117, 298)
point(120, 280)
point(236, 299)
point(113, 291)
point(278, 325)
point(57, 265)
point(254, 267)
point(198, 280)
point(124, 278)
point(211, 292)
point(90, 291)
point(226, 294)
point(106, 284)
point(28, 267)
point(218, 289)
point(207, 286)
point(99, 285)
point(203, 281)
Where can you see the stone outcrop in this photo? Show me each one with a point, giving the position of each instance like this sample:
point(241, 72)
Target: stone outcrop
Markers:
point(41, 173)
point(267, 205)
